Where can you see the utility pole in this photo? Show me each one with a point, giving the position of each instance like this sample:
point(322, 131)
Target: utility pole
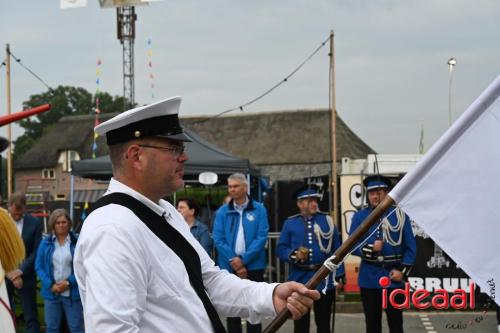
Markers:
point(334, 185)
point(9, 128)
point(333, 130)
point(126, 18)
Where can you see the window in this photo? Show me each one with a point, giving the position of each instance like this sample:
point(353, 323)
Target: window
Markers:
point(60, 196)
point(49, 173)
point(66, 157)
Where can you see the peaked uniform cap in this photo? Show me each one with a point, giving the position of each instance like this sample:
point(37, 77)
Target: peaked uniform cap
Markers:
point(307, 191)
point(159, 119)
point(376, 182)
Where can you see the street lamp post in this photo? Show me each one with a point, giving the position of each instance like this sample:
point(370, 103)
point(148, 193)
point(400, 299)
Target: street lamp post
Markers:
point(451, 63)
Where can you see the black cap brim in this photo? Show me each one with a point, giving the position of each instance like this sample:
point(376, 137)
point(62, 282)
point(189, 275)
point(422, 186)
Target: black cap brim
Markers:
point(178, 137)
point(379, 178)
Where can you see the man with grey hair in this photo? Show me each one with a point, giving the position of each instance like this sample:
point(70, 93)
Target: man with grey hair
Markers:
point(138, 267)
point(240, 234)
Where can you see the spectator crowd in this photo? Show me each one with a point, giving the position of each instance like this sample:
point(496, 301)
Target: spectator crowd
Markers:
point(236, 242)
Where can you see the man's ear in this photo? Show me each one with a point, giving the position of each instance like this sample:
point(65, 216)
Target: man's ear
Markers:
point(133, 153)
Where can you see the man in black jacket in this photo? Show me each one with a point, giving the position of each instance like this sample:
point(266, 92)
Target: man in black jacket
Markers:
point(23, 279)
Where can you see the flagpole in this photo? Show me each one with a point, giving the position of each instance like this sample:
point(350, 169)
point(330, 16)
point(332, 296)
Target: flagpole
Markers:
point(333, 185)
point(451, 63)
point(338, 256)
point(9, 128)
point(71, 197)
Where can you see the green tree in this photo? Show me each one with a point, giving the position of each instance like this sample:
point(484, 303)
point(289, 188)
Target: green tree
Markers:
point(65, 101)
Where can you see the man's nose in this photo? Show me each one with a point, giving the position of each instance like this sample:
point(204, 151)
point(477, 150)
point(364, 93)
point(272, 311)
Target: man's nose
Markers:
point(183, 157)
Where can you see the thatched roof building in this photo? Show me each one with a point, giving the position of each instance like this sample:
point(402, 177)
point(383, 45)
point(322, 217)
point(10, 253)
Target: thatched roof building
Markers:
point(75, 133)
point(284, 144)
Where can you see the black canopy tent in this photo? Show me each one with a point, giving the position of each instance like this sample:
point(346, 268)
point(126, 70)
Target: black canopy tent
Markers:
point(203, 156)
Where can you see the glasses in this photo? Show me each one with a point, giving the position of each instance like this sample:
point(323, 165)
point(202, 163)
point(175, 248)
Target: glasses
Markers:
point(176, 151)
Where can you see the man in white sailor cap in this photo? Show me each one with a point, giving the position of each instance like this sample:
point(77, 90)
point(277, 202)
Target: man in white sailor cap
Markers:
point(137, 265)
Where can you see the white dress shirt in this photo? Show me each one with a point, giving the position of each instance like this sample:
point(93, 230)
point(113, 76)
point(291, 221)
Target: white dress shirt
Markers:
point(61, 262)
point(130, 281)
point(19, 225)
point(239, 245)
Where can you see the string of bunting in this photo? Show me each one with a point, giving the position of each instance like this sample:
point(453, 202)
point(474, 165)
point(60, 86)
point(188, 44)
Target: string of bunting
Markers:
point(150, 68)
point(97, 111)
point(268, 91)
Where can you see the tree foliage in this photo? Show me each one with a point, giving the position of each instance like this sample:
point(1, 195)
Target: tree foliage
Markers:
point(65, 101)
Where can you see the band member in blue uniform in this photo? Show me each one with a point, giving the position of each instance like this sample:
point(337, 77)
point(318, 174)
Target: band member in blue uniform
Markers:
point(306, 241)
point(389, 250)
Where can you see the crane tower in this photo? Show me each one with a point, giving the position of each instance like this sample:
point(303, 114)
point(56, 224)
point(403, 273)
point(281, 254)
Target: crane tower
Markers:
point(125, 19)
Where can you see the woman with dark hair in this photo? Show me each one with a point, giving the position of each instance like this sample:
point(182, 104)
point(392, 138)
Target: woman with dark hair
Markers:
point(189, 210)
point(54, 266)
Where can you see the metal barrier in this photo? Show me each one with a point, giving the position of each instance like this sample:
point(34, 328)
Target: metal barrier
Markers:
point(276, 271)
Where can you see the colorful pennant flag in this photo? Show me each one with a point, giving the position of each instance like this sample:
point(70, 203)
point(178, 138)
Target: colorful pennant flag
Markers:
point(150, 66)
point(97, 109)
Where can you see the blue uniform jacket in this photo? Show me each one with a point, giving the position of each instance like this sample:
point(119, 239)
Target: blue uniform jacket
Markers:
point(298, 232)
point(255, 227)
point(372, 270)
point(45, 271)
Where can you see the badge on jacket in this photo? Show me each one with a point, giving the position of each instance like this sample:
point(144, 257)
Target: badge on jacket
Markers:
point(250, 217)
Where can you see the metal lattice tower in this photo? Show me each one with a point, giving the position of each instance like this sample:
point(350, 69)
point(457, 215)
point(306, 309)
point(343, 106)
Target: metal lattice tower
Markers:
point(126, 18)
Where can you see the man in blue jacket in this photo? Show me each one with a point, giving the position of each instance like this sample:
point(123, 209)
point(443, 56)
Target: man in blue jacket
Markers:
point(24, 278)
point(306, 241)
point(388, 250)
point(240, 234)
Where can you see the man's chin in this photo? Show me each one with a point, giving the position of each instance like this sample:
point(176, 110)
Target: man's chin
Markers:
point(179, 184)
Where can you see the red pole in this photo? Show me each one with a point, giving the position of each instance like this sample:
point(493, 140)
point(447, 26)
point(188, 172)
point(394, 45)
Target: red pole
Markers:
point(4, 120)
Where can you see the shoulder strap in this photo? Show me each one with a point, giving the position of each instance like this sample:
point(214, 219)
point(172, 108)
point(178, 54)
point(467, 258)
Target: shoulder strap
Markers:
point(175, 241)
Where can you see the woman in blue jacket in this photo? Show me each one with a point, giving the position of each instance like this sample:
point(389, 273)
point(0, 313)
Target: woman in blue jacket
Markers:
point(54, 266)
point(189, 211)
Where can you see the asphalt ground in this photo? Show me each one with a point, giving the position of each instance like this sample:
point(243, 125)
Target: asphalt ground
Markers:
point(414, 321)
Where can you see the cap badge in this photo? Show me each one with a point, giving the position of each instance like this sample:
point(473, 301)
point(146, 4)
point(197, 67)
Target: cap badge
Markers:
point(137, 134)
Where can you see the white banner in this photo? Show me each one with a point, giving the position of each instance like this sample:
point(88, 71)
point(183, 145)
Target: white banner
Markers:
point(122, 3)
point(65, 4)
point(453, 193)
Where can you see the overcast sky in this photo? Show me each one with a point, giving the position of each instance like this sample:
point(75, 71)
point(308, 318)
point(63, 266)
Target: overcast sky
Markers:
point(391, 71)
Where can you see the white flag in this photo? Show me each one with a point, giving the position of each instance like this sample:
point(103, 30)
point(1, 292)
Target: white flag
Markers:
point(65, 4)
point(453, 193)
